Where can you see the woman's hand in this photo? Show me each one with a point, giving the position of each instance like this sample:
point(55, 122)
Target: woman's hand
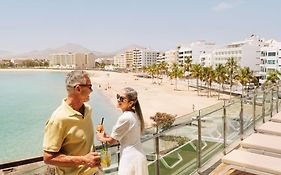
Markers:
point(100, 136)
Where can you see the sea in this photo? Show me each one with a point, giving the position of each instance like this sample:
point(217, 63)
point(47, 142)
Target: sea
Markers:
point(27, 99)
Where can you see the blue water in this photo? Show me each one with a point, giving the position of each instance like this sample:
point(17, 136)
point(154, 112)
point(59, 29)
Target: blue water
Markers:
point(27, 99)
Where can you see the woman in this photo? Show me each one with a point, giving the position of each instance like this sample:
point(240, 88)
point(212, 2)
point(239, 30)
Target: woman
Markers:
point(127, 131)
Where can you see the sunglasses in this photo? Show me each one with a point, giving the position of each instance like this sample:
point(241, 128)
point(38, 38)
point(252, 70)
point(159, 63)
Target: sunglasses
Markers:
point(85, 85)
point(120, 98)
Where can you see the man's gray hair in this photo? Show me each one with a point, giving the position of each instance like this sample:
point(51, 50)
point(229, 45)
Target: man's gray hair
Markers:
point(74, 78)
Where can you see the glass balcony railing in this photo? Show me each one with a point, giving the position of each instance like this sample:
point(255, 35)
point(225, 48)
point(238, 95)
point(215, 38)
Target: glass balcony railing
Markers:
point(192, 141)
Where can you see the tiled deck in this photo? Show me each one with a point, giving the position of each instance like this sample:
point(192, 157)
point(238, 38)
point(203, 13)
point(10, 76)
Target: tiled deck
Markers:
point(230, 172)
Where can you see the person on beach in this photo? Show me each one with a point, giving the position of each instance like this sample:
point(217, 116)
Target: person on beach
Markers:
point(127, 131)
point(68, 134)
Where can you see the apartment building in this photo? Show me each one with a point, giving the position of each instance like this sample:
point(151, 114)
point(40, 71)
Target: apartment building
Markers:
point(126, 59)
point(170, 57)
point(199, 52)
point(119, 60)
point(270, 58)
point(72, 60)
point(129, 58)
point(246, 53)
point(144, 57)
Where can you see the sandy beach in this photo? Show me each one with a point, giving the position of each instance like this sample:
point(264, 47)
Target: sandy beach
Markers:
point(152, 97)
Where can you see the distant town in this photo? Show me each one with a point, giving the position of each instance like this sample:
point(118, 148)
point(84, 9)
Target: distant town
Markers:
point(260, 55)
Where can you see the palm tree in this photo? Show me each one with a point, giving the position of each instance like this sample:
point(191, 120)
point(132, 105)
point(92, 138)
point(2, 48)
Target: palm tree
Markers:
point(211, 76)
point(176, 73)
point(195, 73)
point(272, 77)
point(244, 76)
point(163, 68)
point(152, 71)
point(187, 65)
point(144, 69)
point(221, 77)
point(231, 66)
point(204, 76)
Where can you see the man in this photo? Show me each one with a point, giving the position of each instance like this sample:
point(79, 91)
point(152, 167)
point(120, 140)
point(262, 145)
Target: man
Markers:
point(68, 138)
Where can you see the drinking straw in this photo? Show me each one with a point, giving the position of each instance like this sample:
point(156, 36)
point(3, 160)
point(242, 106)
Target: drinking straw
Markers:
point(102, 120)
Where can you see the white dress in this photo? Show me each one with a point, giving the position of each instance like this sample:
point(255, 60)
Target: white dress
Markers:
point(127, 132)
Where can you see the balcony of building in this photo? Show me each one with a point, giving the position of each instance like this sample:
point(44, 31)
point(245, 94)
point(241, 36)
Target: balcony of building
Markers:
point(194, 144)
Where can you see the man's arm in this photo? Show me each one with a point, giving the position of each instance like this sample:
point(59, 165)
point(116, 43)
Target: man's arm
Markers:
point(92, 159)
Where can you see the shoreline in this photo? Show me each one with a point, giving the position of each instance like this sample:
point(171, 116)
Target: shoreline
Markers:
point(152, 97)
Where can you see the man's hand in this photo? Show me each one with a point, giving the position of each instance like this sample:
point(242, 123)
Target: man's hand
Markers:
point(92, 159)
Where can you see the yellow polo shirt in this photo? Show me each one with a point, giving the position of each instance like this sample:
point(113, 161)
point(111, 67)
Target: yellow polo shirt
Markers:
point(71, 133)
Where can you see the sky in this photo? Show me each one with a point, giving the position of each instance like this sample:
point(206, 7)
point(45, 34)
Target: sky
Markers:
point(110, 25)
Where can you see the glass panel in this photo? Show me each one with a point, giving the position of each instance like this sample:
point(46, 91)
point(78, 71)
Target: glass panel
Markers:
point(232, 120)
point(177, 151)
point(211, 131)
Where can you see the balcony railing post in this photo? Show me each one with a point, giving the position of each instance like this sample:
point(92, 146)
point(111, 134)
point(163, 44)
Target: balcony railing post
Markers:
point(199, 143)
point(277, 98)
point(241, 118)
point(263, 105)
point(254, 108)
point(118, 155)
point(224, 128)
point(157, 169)
point(271, 103)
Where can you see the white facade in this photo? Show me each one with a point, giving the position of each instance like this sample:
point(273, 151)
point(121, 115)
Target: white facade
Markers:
point(194, 51)
point(119, 60)
point(170, 56)
point(72, 60)
point(246, 53)
point(205, 59)
point(270, 57)
point(145, 57)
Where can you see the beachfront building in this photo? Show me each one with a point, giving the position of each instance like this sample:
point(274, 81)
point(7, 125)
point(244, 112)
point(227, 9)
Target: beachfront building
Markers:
point(105, 60)
point(170, 57)
point(119, 60)
point(270, 58)
point(205, 59)
point(126, 59)
point(199, 52)
point(246, 53)
point(129, 58)
point(72, 60)
point(144, 57)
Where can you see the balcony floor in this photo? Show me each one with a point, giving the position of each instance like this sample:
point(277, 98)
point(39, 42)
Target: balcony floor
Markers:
point(221, 167)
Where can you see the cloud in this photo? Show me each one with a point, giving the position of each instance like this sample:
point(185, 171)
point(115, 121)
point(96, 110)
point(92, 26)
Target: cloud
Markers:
point(223, 6)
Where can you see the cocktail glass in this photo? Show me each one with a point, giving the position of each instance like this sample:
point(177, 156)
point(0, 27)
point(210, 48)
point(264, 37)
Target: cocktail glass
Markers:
point(105, 158)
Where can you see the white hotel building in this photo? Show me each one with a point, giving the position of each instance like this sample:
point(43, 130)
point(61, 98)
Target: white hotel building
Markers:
point(170, 57)
point(136, 58)
point(199, 52)
point(246, 53)
point(72, 60)
point(270, 57)
point(145, 57)
point(119, 60)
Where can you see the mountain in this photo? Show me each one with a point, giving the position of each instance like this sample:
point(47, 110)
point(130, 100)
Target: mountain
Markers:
point(5, 53)
point(69, 47)
point(129, 47)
